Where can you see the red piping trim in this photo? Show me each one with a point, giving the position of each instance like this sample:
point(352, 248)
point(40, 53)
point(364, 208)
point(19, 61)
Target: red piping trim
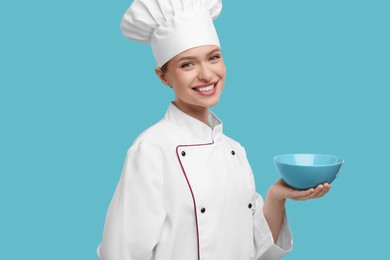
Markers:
point(189, 186)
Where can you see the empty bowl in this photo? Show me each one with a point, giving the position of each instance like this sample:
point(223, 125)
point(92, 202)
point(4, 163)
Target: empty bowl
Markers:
point(304, 171)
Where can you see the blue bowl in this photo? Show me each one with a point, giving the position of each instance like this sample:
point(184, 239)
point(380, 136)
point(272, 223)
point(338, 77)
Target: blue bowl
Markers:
point(304, 171)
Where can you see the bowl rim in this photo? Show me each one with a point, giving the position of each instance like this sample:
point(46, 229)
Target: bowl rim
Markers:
point(316, 154)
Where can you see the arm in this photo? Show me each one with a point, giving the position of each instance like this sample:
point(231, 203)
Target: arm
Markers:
point(136, 214)
point(274, 205)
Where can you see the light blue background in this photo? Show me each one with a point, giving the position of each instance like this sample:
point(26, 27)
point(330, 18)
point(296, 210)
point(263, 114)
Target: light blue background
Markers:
point(303, 76)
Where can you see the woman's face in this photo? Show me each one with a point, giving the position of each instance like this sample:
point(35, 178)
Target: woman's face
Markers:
point(197, 76)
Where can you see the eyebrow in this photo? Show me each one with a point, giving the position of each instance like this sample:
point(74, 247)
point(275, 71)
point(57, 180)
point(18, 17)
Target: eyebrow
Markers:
point(194, 57)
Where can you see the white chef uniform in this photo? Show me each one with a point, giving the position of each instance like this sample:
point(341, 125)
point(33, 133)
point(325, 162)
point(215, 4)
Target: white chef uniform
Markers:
point(187, 192)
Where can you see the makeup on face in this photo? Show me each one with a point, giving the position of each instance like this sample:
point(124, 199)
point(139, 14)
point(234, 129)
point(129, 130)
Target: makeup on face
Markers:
point(207, 89)
point(197, 77)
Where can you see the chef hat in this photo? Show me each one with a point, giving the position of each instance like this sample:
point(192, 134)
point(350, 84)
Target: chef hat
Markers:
point(172, 26)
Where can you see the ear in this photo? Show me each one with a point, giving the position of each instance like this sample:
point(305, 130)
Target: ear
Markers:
point(162, 76)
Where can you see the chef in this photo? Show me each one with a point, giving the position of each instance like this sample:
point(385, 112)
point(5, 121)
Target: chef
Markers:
point(187, 191)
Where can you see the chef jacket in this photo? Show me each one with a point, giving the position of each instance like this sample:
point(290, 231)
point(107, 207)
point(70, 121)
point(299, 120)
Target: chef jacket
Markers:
point(187, 192)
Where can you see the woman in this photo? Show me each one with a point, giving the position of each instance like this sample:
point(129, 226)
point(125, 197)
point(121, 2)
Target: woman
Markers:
point(187, 191)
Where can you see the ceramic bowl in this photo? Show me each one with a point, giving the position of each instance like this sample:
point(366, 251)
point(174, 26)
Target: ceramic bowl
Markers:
point(304, 171)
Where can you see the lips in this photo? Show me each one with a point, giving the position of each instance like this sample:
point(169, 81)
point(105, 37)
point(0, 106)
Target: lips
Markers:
point(207, 88)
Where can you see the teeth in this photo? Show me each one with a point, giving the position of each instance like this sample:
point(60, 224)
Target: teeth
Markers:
point(205, 88)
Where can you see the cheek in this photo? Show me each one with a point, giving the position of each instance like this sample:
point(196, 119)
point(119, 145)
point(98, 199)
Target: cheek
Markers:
point(221, 70)
point(184, 80)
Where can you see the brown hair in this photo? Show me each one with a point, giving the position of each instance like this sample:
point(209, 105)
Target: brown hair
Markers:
point(164, 68)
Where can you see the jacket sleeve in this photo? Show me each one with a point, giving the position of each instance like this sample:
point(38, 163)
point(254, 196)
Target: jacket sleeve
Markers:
point(265, 247)
point(136, 213)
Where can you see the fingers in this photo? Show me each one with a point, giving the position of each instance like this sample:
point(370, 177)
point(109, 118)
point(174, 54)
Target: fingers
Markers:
point(281, 189)
point(324, 189)
point(318, 192)
point(301, 194)
point(312, 193)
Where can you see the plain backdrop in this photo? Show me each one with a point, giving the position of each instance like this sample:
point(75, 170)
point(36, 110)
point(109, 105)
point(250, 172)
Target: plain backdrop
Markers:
point(303, 77)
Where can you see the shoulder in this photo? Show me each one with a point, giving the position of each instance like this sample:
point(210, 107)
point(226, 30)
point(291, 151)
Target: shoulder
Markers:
point(236, 146)
point(231, 141)
point(154, 138)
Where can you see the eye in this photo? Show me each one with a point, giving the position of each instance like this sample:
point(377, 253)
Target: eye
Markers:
point(215, 57)
point(186, 65)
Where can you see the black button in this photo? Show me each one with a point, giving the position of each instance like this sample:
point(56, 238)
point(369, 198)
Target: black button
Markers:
point(203, 210)
point(183, 153)
point(250, 205)
point(233, 152)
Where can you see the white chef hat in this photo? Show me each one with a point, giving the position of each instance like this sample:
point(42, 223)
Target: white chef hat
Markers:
point(172, 26)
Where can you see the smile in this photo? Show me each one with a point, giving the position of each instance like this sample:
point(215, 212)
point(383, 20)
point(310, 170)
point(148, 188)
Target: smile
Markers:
point(206, 89)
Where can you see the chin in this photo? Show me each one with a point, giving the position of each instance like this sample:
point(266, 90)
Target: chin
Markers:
point(211, 103)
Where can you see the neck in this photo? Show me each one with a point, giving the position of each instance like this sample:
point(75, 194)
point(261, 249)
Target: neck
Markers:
point(200, 113)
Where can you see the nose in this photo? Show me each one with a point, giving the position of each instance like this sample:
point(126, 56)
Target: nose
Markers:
point(204, 73)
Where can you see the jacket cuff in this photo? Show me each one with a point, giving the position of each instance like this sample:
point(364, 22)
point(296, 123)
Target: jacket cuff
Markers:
point(265, 246)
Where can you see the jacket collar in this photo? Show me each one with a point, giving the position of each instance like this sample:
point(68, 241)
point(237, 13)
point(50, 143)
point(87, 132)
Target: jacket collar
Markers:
point(192, 130)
